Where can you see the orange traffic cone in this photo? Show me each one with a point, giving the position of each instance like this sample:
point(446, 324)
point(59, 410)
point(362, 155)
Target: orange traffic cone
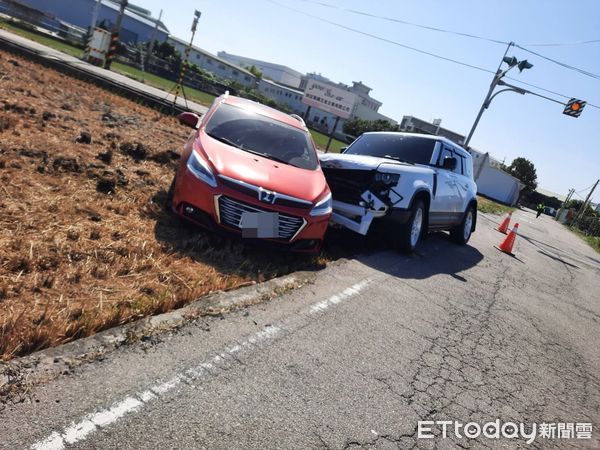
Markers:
point(503, 228)
point(507, 245)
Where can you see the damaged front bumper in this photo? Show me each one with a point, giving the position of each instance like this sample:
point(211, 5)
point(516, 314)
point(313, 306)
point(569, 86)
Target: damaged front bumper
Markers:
point(358, 218)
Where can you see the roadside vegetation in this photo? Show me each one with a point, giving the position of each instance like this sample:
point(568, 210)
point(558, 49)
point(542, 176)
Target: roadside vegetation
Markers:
point(321, 142)
point(85, 241)
point(203, 98)
point(593, 241)
point(195, 95)
point(588, 226)
point(485, 205)
point(46, 40)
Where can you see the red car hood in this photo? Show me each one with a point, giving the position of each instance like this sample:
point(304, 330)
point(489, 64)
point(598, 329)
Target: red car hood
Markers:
point(263, 172)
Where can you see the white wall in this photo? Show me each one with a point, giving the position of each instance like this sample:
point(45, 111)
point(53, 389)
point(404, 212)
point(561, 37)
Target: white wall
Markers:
point(280, 76)
point(498, 185)
point(213, 65)
point(282, 96)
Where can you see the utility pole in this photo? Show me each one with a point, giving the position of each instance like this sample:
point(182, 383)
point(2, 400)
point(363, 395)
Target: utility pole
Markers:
point(581, 212)
point(337, 120)
point(562, 206)
point(114, 41)
point(497, 80)
point(152, 39)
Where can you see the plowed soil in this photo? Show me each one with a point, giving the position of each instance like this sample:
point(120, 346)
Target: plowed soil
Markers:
point(85, 241)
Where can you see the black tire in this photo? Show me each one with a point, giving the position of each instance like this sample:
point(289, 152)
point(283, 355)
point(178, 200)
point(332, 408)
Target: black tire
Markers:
point(460, 234)
point(169, 200)
point(405, 241)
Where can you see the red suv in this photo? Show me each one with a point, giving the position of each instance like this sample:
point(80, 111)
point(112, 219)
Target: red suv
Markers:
point(254, 171)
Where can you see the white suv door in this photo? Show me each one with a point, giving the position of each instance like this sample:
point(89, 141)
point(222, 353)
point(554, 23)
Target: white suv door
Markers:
point(462, 183)
point(444, 203)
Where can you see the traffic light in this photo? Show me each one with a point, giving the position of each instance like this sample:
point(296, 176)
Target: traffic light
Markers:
point(510, 60)
point(524, 65)
point(574, 107)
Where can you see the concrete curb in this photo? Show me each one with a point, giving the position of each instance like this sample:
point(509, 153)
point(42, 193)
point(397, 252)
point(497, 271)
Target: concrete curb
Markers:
point(18, 374)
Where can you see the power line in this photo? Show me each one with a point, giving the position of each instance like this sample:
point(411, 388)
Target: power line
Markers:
point(567, 66)
point(435, 55)
point(549, 91)
point(404, 22)
point(561, 44)
point(458, 33)
point(586, 189)
point(389, 41)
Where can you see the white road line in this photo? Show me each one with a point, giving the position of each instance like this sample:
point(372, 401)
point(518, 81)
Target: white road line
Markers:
point(79, 431)
point(337, 298)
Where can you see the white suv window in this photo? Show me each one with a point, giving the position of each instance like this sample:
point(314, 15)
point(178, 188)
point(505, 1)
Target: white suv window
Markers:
point(449, 152)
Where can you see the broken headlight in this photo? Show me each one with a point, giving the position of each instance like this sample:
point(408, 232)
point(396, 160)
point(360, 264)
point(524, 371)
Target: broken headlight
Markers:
point(389, 179)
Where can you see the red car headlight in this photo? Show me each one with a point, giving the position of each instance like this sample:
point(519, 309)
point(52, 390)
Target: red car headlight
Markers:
point(201, 169)
point(322, 207)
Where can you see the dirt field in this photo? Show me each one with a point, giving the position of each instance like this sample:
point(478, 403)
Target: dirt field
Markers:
point(85, 242)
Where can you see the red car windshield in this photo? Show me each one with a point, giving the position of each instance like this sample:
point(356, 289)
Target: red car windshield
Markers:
point(263, 136)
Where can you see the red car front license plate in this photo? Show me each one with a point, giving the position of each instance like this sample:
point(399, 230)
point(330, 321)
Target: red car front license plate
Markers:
point(264, 225)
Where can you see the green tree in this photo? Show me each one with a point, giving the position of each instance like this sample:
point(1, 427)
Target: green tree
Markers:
point(524, 170)
point(164, 50)
point(577, 204)
point(254, 71)
point(356, 127)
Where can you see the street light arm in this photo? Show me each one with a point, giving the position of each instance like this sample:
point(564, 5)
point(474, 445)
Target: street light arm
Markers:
point(497, 80)
point(513, 89)
point(526, 91)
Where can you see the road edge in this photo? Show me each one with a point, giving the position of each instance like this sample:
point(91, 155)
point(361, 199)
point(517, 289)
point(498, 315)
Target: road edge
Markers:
point(19, 374)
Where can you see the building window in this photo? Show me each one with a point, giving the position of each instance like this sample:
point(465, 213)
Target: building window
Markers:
point(247, 78)
point(235, 72)
point(222, 66)
point(209, 61)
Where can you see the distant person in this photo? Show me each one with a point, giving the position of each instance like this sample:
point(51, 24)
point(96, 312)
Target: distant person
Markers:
point(540, 210)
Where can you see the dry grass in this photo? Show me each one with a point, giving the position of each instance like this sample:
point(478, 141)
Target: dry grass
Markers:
point(85, 243)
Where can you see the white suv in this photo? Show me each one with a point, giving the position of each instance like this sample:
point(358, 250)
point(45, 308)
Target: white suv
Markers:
point(412, 182)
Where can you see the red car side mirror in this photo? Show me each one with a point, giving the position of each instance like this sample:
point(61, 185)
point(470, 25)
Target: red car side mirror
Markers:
point(189, 119)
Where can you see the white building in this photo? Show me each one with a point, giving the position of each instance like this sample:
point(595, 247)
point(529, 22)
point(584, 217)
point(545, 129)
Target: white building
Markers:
point(548, 193)
point(292, 98)
point(214, 64)
point(276, 72)
point(492, 181)
point(415, 125)
point(363, 105)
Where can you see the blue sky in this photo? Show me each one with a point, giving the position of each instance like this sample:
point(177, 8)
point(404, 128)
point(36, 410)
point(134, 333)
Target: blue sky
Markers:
point(564, 150)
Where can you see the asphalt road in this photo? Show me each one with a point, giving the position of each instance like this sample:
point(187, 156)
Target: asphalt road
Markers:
point(356, 359)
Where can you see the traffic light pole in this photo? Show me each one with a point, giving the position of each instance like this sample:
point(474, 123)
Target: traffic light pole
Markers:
point(486, 102)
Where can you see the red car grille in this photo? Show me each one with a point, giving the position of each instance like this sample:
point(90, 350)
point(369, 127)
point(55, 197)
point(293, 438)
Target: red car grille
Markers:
point(230, 211)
